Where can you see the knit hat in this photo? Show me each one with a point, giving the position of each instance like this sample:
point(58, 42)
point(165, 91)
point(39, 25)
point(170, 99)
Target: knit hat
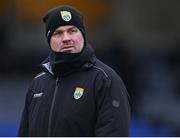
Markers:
point(60, 16)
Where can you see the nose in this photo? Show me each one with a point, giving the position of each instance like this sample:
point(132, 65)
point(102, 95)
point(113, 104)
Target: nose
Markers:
point(66, 37)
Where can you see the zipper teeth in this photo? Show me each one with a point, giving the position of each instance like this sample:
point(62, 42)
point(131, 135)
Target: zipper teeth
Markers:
point(51, 109)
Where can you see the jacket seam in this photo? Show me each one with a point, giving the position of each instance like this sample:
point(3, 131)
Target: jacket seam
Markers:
point(39, 75)
point(102, 70)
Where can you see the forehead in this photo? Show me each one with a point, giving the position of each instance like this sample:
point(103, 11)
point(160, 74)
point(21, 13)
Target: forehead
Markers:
point(66, 27)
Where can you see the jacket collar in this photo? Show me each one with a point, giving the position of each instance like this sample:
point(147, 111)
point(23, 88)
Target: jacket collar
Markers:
point(83, 62)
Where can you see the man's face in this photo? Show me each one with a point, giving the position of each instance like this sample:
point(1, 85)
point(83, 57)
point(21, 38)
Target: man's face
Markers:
point(67, 39)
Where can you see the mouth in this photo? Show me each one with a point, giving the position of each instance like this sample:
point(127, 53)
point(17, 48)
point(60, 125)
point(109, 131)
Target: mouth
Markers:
point(67, 48)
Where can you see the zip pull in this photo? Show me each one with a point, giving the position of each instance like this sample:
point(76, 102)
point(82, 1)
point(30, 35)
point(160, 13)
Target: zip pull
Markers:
point(57, 80)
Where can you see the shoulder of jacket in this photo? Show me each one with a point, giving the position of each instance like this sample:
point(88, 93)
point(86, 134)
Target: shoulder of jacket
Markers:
point(106, 70)
point(102, 71)
point(39, 75)
point(34, 84)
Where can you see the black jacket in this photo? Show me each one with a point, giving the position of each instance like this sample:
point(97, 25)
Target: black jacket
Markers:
point(90, 100)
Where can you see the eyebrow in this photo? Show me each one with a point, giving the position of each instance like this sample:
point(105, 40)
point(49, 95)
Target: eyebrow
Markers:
point(73, 27)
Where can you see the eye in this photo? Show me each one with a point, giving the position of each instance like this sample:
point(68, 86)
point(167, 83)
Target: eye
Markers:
point(57, 33)
point(73, 30)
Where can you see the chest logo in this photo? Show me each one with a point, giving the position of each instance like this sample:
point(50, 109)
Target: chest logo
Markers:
point(78, 93)
point(66, 15)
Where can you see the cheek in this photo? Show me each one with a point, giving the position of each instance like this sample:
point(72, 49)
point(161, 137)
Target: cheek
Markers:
point(79, 40)
point(54, 42)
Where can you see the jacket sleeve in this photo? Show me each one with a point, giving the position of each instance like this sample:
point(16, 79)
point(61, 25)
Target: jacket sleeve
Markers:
point(113, 110)
point(23, 128)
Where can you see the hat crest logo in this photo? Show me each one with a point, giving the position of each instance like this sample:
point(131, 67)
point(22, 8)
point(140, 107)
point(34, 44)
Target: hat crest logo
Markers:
point(66, 15)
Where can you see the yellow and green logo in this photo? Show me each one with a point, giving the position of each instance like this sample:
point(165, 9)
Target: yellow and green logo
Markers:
point(66, 15)
point(78, 93)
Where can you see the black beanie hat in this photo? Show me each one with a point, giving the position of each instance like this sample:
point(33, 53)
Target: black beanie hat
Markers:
point(60, 16)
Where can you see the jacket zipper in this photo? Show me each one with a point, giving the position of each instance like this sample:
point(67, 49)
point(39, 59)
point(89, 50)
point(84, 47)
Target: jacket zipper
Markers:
point(51, 109)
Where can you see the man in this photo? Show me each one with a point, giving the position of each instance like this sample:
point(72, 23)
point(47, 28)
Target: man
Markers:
point(75, 94)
